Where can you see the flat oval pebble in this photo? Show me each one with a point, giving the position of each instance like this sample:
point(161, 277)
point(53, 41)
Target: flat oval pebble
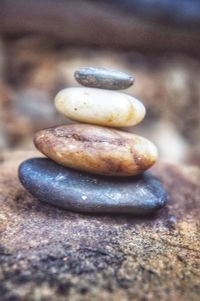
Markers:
point(97, 149)
point(101, 107)
point(82, 192)
point(103, 78)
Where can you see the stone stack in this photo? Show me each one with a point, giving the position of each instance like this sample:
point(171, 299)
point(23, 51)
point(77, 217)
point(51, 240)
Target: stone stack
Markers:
point(93, 167)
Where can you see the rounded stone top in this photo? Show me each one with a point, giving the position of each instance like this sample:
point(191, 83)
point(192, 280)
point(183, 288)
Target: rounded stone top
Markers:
point(103, 78)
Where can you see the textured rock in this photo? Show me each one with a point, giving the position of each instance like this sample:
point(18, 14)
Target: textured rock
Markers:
point(82, 192)
point(52, 254)
point(97, 149)
point(103, 78)
point(98, 106)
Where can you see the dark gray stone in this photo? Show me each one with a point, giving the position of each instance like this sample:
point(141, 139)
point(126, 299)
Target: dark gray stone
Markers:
point(83, 192)
point(103, 78)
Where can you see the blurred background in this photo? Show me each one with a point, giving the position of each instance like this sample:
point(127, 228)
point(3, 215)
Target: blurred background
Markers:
point(42, 43)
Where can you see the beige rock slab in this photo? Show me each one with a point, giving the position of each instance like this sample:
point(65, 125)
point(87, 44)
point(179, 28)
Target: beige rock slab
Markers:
point(48, 253)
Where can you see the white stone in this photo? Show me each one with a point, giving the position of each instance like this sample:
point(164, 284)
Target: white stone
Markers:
point(99, 106)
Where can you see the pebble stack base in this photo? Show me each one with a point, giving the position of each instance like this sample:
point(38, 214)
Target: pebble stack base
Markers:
point(92, 167)
point(83, 192)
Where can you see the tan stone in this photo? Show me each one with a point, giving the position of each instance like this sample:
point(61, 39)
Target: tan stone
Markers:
point(97, 149)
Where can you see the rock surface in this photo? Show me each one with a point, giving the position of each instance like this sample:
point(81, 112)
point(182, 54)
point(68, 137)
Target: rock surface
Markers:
point(103, 78)
point(97, 149)
point(83, 192)
point(101, 107)
point(51, 254)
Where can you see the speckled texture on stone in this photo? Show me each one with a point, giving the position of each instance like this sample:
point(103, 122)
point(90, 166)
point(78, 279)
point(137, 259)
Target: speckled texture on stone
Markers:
point(51, 254)
point(103, 78)
point(97, 149)
point(84, 192)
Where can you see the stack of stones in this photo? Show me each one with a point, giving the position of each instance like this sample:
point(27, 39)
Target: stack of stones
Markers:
point(93, 167)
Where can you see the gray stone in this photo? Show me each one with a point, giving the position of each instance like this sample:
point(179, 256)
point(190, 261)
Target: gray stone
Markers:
point(103, 78)
point(83, 192)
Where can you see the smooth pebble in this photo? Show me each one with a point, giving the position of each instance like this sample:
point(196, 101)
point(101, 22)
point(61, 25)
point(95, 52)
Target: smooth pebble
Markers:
point(82, 192)
point(97, 149)
point(103, 78)
point(101, 107)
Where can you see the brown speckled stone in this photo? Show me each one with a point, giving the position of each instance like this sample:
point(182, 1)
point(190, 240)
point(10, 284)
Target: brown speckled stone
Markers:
point(97, 149)
point(50, 254)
